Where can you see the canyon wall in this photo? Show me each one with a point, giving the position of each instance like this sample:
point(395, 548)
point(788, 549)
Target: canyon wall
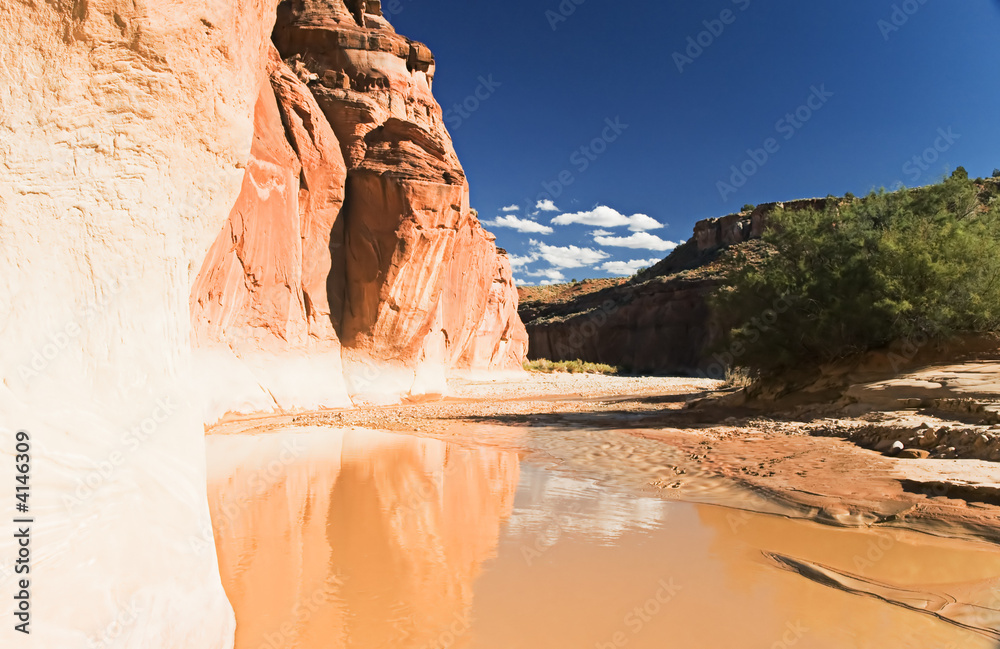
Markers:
point(658, 322)
point(125, 129)
point(190, 225)
point(352, 256)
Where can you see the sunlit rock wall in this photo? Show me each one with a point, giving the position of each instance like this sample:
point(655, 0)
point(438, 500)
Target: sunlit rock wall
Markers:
point(125, 128)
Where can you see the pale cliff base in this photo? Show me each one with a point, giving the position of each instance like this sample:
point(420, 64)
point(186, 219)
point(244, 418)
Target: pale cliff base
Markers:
point(121, 545)
point(266, 382)
point(229, 386)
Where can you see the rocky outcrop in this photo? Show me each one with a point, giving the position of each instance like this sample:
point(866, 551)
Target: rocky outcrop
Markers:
point(351, 263)
point(659, 322)
point(426, 290)
point(657, 326)
point(266, 303)
point(266, 276)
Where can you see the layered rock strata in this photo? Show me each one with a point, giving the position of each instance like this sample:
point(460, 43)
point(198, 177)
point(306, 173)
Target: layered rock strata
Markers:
point(426, 288)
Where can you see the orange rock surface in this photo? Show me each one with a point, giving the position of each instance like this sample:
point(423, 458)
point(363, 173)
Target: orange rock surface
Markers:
point(376, 249)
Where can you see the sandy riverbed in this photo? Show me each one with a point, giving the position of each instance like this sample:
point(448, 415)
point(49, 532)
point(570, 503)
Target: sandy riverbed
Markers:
point(643, 430)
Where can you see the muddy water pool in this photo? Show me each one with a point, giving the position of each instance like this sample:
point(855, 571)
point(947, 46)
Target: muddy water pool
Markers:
point(351, 538)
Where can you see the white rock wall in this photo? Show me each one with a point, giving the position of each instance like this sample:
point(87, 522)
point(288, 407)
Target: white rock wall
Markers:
point(124, 129)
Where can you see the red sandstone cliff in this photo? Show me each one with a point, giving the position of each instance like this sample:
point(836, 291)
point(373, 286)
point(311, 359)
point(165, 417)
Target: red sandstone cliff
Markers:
point(353, 227)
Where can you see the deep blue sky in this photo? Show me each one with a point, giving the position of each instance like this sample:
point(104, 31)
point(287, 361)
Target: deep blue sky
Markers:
point(891, 93)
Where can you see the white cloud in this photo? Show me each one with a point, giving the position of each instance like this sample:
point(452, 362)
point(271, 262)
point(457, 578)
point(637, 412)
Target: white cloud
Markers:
point(627, 268)
point(546, 206)
point(640, 240)
point(601, 233)
point(521, 225)
point(551, 275)
point(568, 256)
point(511, 208)
point(605, 217)
point(518, 261)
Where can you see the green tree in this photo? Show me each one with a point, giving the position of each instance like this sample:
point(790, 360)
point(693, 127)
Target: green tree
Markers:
point(853, 277)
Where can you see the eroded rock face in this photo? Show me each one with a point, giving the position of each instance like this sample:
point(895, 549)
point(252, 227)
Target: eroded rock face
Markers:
point(266, 276)
point(425, 289)
point(657, 326)
point(124, 127)
point(353, 227)
point(267, 300)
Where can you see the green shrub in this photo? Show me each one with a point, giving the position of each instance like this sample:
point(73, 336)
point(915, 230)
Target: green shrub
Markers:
point(996, 173)
point(570, 367)
point(913, 264)
point(749, 207)
point(738, 377)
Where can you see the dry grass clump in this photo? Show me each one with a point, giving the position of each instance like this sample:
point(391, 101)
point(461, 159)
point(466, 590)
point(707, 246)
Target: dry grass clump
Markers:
point(570, 367)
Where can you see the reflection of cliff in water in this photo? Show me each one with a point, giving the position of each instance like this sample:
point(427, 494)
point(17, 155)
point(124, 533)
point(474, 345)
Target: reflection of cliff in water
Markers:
point(352, 538)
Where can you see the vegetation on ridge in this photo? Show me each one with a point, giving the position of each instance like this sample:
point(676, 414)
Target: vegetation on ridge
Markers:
point(912, 265)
